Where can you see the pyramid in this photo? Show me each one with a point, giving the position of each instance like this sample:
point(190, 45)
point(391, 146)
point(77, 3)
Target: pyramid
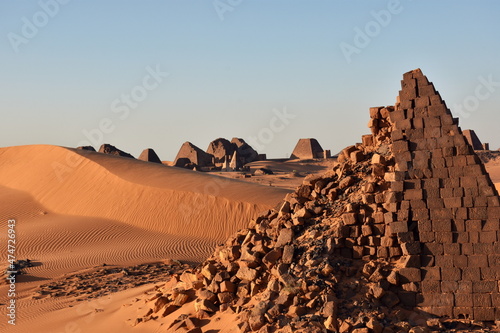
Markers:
point(220, 148)
point(447, 207)
point(473, 140)
point(112, 150)
point(307, 149)
point(406, 225)
point(89, 148)
point(149, 155)
point(190, 154)
point(245, 151)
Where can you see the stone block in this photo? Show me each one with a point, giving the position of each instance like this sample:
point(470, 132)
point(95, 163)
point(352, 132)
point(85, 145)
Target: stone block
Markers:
point(444, 261)
point(451, 273)
point(455, 202)
point(460, 261)
point(488, 237)
point(427, 236)
point(481, 300)
point(422, 101)
point(437, 110)
point(410, 275)
point(440, 225)
point(463, 300)
point(453, 248)
point(431, 273)
point(428, 90)
point(484, 314)
point(471, 274)
point(434, 249)
point(449, 286)
point(478, 213)
point(484, 286)
point(399, 146)
point(441, 214)
point(444, 237)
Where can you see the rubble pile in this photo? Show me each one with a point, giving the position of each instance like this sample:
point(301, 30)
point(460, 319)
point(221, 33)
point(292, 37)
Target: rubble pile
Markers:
point(404, 227)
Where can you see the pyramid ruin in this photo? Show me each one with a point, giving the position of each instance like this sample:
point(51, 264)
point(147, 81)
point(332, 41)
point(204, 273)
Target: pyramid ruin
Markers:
point(404, 227)
point(245, 151)
point(307, 149)
point(474, 141)
point(89, 148)
point(112, 150)
point(220, 148)
point(190, 155)
point(149, 155)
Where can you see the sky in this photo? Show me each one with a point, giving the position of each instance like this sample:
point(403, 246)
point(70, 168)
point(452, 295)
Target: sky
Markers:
point(154, 74)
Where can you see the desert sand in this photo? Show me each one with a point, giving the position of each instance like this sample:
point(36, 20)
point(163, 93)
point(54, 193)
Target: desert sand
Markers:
point(77, 209)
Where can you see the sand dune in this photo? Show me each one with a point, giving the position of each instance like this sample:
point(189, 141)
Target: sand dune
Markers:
point(144, 195)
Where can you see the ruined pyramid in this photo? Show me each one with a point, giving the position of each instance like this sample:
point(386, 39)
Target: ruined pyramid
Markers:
point(189, 154)
point(405, 226)
point(112, 150)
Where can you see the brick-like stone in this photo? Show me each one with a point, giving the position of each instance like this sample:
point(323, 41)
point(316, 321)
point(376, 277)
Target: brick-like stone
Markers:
point(441, 225)
point(484, 314)
point(451, 274)
point(410, 275)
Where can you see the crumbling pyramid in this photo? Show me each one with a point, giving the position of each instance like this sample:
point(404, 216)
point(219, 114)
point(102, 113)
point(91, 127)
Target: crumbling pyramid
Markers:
point(445, 209)
point(474, 141)
point(307, 149)
point(149, 155)
point(190, 155)
point(246, 153)
point(220, 148)
point(112, 150)
point(89, 148)
point(405, 226)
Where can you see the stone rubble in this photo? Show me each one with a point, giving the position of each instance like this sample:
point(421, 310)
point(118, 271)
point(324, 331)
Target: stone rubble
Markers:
point(404, 228)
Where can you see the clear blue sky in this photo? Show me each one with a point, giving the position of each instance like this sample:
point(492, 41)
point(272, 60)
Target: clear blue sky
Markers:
point(231, 63)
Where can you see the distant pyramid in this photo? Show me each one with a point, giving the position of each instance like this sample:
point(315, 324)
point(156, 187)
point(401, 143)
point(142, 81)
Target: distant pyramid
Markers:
point(112, 150)
point(473, 140)
point(246, 153)
point(220, 148)
point(149, 155)
point(189, 154)
point(307, 149)
point(89, 148)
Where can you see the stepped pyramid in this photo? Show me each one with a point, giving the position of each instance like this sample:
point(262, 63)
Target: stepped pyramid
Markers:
point(149, 155)
point(449, 209)
point(405, 226)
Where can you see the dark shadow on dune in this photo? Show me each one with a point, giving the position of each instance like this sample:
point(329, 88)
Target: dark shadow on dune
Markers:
point(24, 278)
